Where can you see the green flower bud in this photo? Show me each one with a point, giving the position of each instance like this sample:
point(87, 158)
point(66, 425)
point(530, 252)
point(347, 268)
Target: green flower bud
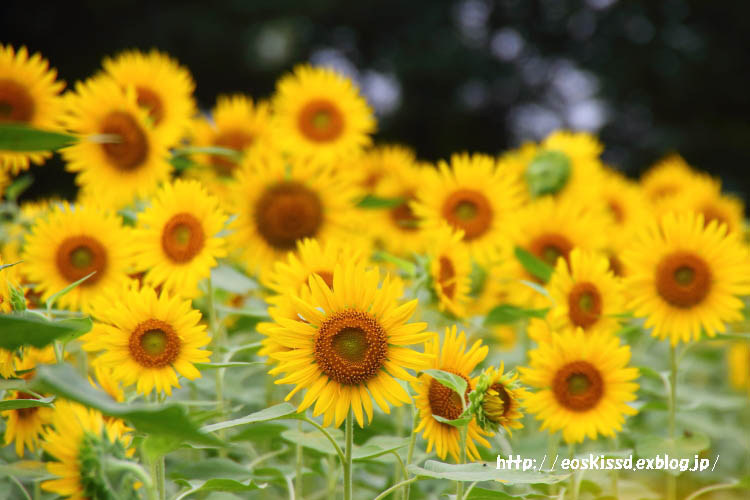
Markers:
point(547, 173)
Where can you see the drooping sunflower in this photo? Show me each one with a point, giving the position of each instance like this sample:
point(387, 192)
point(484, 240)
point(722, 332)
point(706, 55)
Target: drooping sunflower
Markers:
point(320, 113)
point(176, 242)
point(583, 385)
point(433, 398)
point(450, 270)
point(687, 276)
point(350, 349)
point(473, 195)
point(121, 156)
point(70, 243)
point(739, 365)
point(278, 204)
point(29, 95)
point(586, 293)
point(163, 88)
point(80, 441)
point(147, 339)
point(502, 399)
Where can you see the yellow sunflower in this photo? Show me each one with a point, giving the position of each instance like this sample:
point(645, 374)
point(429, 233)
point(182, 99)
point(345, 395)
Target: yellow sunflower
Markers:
point(4, 183)
point(687, 276)
point(162, 86)
point(320, 113)
point(433, 398)
point(80, 440)
point(278, 204)
point(6, 305)
point(350, 349)
point(667, 178)
point(378, 164)
point(473, 195)
point(145, 338)
point(70, 243)
point(739, 365)
point(176, 242)
point(583, 385)
point(29, 95)
point(586, 294)
point(113, 171)
point(450, 270)
point(502, 400)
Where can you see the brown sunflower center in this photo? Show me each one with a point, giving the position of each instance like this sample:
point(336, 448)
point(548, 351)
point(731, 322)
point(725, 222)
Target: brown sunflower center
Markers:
point(25, 413)
point(321, 121)
point(550, 246)
point(16, 103)
point(237, 140)
point(79, 256)
point(182, 237)
point(615, 265)
point(444, 401)
point(154, 344)
point(469, 210)
point(578, 386)
point(151, 101)
point(351, 347)
point(132, 149)
point(617, 211)
point(683, 279)
point(403, 216)
point(584, 304)
point(288, 212)
point(447, 276)
point(502, 393)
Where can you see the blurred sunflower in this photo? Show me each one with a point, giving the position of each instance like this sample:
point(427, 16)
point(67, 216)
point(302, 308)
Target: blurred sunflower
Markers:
point(349, 350)
point(29, 95)
point(739, 365)
point(584, 385)
point(145, 338)
point(6, 305)
point(667, 178)
point(163, 88)
point(687, 276)
point(704, 196)
point(70, 243)
point(320, 113)
point(433, 398)
point(176, 242)
point(378, 164)
point(450, 270)
point(113, 170)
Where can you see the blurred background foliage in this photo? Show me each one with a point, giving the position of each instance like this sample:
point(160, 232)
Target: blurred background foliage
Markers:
point(649, 77)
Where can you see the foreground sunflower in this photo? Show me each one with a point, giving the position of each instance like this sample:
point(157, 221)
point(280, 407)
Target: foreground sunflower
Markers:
point(29, 95)
point(113, 170)
point(350, 348)
point(450, 270)
point(686, 277)
point(70, 243)
point(583, 385)
point(176, 242)
point(145, 338)
point(320, 113)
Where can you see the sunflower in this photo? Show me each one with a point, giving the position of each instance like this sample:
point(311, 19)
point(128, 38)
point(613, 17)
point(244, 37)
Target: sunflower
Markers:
point(586, 293)
point(739, 365)
point(320, 113)
point(687, 276)
point(29, 95)
point(146, 337)
point(176, 242)
point(584, 385)
point(433, 398)
point(473, 195)
point(80, 441)
point(378, 164)
point(69, 244)
point(4, 183)
point(113, 173)
point(278, 205)
point(163, 88)
point(350, 349)
point(667, 178)
point(502, 400)
point(6, 305)
point(450, 270)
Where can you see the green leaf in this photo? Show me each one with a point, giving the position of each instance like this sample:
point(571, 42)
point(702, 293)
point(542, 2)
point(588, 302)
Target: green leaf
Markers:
point(248, 313)
point(229, 279)
point(483, 472)
point(57, 295)
point(5, 266)
point(216, 485)
point(209, 468)
point(483, 494)
point(18, 186)
point(505, 314)
point(314, 439)
point(25, 470)
point(459, 422)
point(228, 364)
point(79, 326)
point(158, 445)
point(181, 163)
point(378, 446)
point(232, 154)
point(731, 336)
point(409, 268)
point(35, 330)
point(17, 404)
point(681, 447)
point(165, 419)
point(449, 380)
point(283, 410)
point(15, 137)
point(377, 203)
point(533, 265)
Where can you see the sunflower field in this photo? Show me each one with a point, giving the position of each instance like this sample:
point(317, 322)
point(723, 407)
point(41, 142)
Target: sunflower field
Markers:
point(257, 301)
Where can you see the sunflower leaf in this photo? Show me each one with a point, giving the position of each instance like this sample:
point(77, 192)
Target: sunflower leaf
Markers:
point(449, 380)
point(25, 470)
point(5, 266)
point(409, 268)
point(18, 404)
point(533, 265)
point(216, 485)
point(283, 410)
point(505, 314)
point(232, 154)
point(378, 203)
point(459, 422)
point(18, 186)
point(483, 471)
point(51, 301)
point(228, 364)
point(33, 329)
point(14, 137)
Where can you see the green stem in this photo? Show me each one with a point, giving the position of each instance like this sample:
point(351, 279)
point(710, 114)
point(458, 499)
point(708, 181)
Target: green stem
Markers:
point(462, 444)
point(327, 435)
point(298, 467)
point(615, 476)
point(573, 488)
point(157, 474)
point(348, 457)
point(137, 470)
point(671, 478)
point(393, 488)
point(412, 442)
point(401, 464)
point(400, 415)
point(20, 486)
point(218, 346)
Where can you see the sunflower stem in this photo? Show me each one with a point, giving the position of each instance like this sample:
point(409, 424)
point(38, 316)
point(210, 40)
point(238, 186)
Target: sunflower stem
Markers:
point(348, 455)
point(412, 442)
point(157, 473)
point(614, 477)
point(218, 340)
point(298, 466)
point(671, 478)
point(462, 446)
point(400, 415)
point(393, 488)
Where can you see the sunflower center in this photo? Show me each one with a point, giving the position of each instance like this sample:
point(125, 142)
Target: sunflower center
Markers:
point(16, 104)
point(182, 237)
point(321, 121)
point(402, 215)
point(468, 210)
point(547, 173)
point(444, 401)
point(154, 344)
point(578, 386)
point(288, 212)
point(551, 246)
point(584, 304)
point(237, 140)
point(683, 279)
point(132, 149)
point(79, 256)
point(446, 276)
point(350, 347)
point(615, 208)
point(151, 101)
point(26, 413)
